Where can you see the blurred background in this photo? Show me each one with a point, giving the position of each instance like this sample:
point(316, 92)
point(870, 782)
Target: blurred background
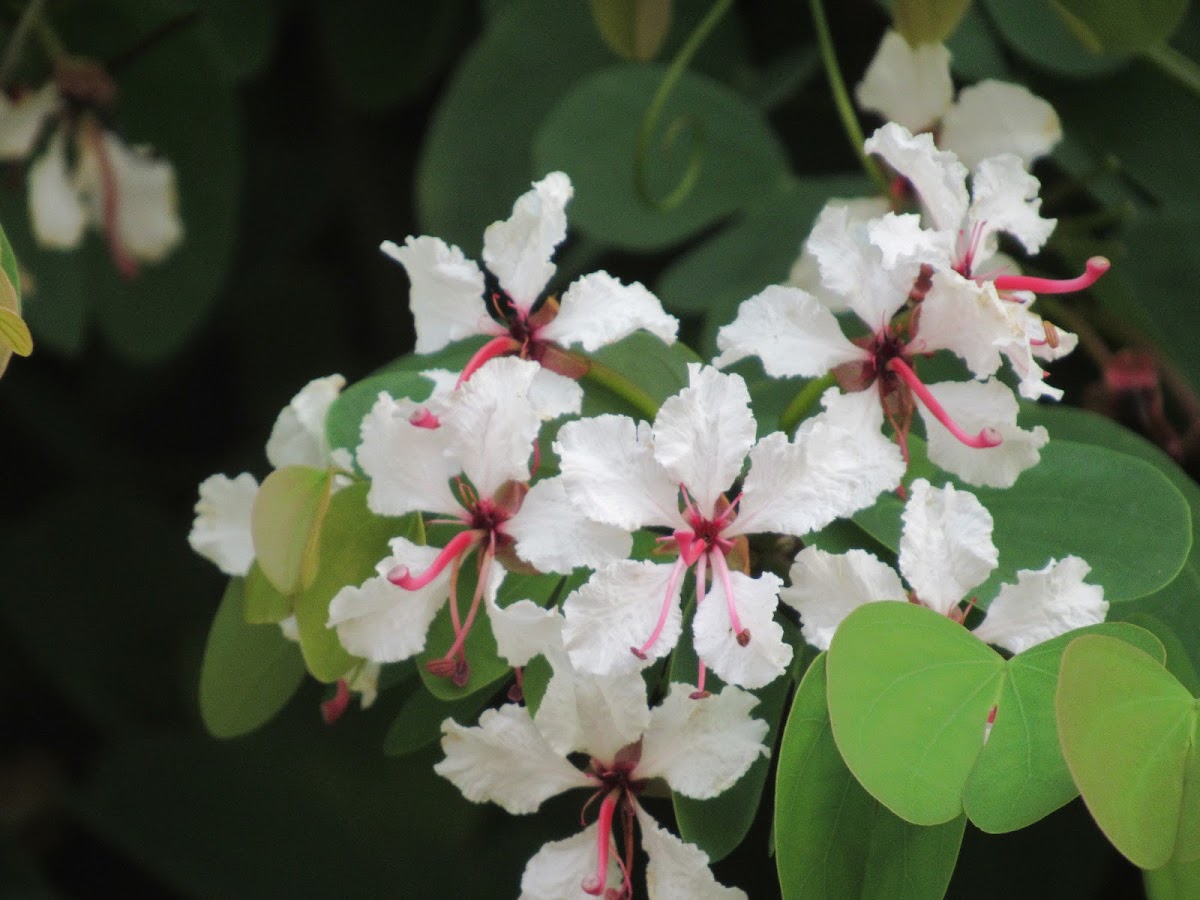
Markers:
point(304, 132)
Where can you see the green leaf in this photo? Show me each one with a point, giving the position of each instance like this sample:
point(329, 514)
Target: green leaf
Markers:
point(592, 135)
point(286, 522)
point(8, 262)
point(262, 603)
point(249, 671)
point(1128, 728)
point(343, 422)
point(352, 540)
point(240, 36)
point(633, 29)
point(1037, 31)
point(419, 722)
point(833, 840)
point(1174, 881)
point(1144, 519)
point(928, 21)
point(655, 371)
point(14, 333)
point(1116, 26)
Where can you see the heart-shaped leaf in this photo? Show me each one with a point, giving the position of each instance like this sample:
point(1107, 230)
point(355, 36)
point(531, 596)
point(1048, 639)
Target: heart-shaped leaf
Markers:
point(286, 523)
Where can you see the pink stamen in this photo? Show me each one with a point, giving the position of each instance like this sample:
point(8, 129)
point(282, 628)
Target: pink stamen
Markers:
point(332, 709)
point(701, 578)
point(1096, 266)
point(690, 504)
point(423, 418)
point(676, 571)
point(988, 437)
point(595, 884)
point(722, 569)
point(497, 346)
point(459, 544)
point(485, 566)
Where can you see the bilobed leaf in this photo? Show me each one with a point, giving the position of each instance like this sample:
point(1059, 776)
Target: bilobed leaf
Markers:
point(833, 840)
point(634, 29)
point(1037, 31)
point(1116, 26)
point(1128, 728)
point(286, 523)
point(928, 21)
point(249, 671)
point(262, 603)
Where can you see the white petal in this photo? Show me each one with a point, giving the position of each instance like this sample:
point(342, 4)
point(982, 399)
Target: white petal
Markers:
point(21, 121)
point(597, 310)
point(996, 117)
point(617, 609)
point(702, 747)
point(592, 714)
point(767, 655)
point(518, 250)
point(558, 870)
point(446, 296)
point(827, 587)
point(492, 424)
point(221, 529)
point(901, 239)
point(907, 85)
point(806, 273)
point(298, 437)
point(610, 473)
point(790, 331)
point(56, 212)
point(1042, 605)
point(1004, 198)
point(937, 176)
point(554, 395)
point(524, 630)
point(678, 870)
point(703, 433)
point(970, 320)
point(407, 465)
point(828, 472)
point(975, 406)
point(506, 760)
point(554, 536)
point(147, 203)
point(385, 623)
point(946, 546)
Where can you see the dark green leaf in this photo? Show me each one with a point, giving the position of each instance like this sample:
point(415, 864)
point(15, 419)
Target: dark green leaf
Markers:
point(1115, 26)
point(419, 722)
point(1036, 30)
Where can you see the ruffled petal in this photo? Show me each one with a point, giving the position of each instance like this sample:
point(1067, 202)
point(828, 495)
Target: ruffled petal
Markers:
point(1042, 605)
point(703, 433)
point(970, 320)
point(56, 212)
point(946, 547)
point(492, 424)
point(298, 436)
point(558, 870)
point(976, 406)
point(446, 296)
point(618, 609)
point(806, 273)
point(766, 656)
point(827, 587)
point(524, 630)
point(677, 869)
point(506, 760)
point(21, 121)
point(937, 176)
point(554, 395)
point(997, 117)
point(901, 240)
point(407, 465)
point(790, 331)
point(1004, 198)
point(552, 534)
point(518, 250)
point(221, 530)
point(702, 746)
point(908, 85)
point(597, 310)
point(610, 473)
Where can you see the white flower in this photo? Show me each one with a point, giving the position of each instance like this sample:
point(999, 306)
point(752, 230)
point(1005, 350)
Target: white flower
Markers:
point(629, 475)
point(449, 302)
point(700, 747)
point(946, 551)
point(22, 120)
point(912, 86)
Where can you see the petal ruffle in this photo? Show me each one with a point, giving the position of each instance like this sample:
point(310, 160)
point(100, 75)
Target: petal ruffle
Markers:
point(221, 530)
point(446, 296)
point(298, 436)
point(1004, 198)
point(827, 587)
point(677, 869)
point(937, 175)
point(598, 310)
point(407, 465)
point(767, 655)
point(1042, 605)
point(518, 250)
point(558, 870)
point(908, 85)
point(997, 117)
point(552, 535)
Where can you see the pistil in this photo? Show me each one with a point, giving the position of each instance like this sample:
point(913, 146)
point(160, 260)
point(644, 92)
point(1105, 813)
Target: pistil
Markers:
point(1096, 266)
point(595, 884)
point(988, 437)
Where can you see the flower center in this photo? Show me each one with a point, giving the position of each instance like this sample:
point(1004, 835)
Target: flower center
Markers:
point(615, 782)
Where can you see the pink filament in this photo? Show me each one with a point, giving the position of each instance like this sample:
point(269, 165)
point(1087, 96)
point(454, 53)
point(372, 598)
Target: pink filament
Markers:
point(676, 571)
point(1096, 266)
point(459, 544)
point(423, 418)
point(723, 572)
point(701, 577)
point(988, 437)
point(595, 884)
point(497, 346)
point(485, 566)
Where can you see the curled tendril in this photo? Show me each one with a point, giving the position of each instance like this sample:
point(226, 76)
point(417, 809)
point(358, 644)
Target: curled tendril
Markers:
point(680, 125)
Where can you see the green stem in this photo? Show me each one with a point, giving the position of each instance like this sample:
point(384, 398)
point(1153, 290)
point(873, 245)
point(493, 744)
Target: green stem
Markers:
point(16, 44)
point(654, 113)
point(804, 400)
point(1175, 65)
point(613, 381)
point(841, 97)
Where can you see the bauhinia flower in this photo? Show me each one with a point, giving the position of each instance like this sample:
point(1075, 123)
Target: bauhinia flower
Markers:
point(466, 459)
point(879, 268)
point(946, 551)
point(632, 475)
point(912, 86)
point(450, 299)
point(700, 748)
